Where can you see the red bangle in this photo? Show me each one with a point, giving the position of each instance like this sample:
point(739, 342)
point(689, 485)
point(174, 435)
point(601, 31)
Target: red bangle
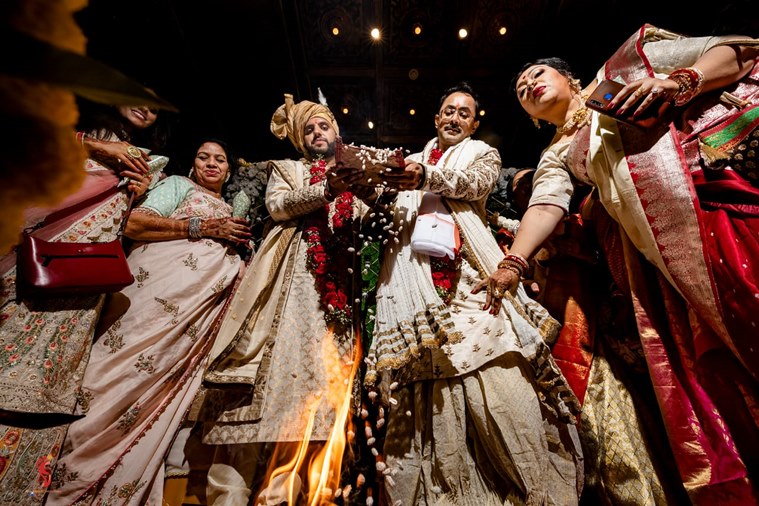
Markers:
point(519, 259)
point(690, 80)
point(80, 138)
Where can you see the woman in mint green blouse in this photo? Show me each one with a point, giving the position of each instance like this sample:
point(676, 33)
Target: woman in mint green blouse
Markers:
point(145, 370)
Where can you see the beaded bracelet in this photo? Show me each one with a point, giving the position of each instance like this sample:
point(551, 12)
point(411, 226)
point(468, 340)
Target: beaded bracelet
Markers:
point(193, 229)
point(690, 80)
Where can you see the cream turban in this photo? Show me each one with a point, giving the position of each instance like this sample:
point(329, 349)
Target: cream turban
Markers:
point(290, 119)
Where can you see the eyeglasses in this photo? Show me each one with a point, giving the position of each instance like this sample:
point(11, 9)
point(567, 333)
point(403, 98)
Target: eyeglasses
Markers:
point(448, 112)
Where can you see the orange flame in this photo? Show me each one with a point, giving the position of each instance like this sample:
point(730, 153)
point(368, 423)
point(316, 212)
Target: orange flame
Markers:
point(325, 465)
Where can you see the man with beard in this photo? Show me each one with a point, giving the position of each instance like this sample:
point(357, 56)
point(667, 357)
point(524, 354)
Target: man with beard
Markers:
point(479, 412)
point(269, 364)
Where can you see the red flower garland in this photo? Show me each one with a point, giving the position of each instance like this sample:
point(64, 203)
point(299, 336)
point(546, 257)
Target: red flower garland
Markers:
point(445, 272)
point(435, 155)
point(327, 256)
point(445, 276)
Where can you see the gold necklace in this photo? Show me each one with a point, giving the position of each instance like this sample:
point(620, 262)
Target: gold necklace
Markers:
point(580, 118)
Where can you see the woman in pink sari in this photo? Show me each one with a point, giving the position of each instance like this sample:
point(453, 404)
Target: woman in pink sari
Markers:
point(45, 343)
point(687, 221)
point(145, 370)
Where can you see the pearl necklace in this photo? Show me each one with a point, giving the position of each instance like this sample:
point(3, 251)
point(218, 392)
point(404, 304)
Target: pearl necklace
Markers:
point(580, 118)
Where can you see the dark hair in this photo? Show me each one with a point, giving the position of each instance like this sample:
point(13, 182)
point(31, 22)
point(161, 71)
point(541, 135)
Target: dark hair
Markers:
point(462, 87)
point(107, 119)
point(561, 66)
point(231, 160)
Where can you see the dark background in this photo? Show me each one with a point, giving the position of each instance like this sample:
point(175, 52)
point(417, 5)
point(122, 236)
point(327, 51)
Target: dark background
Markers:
point(226, 64)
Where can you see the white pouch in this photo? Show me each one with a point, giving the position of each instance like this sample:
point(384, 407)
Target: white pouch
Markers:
point(435, 233)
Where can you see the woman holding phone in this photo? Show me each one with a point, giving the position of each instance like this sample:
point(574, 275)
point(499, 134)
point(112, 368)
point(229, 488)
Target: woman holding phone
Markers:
point(686, 245)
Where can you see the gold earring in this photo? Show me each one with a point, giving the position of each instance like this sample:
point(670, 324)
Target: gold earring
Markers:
point(536, 122)
point(574, 85)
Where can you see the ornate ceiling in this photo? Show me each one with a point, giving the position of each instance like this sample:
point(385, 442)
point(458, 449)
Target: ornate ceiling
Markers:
point(227, 63)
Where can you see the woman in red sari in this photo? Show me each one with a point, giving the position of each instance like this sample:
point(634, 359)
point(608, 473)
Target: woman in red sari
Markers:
point(687, 222)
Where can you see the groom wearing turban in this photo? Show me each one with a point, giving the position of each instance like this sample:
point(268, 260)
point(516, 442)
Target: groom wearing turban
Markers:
point(270, 347)
point(290, 119)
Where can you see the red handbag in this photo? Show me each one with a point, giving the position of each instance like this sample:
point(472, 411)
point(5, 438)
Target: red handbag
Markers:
point(46, 268)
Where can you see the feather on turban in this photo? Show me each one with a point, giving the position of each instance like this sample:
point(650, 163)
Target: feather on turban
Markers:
point(290, 119)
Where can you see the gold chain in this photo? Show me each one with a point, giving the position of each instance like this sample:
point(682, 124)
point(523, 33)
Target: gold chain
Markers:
point(580, 118)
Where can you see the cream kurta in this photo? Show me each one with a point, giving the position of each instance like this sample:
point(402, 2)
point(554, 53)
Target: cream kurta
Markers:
point(483, 413)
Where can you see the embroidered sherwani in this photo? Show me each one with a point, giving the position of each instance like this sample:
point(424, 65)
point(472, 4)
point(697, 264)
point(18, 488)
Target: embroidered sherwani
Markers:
point(271, 340)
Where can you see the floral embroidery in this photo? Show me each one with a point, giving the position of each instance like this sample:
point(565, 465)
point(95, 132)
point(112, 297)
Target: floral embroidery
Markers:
point(192, 332)
point(45, 336)
point(437, 371)
point(61, 476)
point(487, 331)
point(9, 444)
point(101, 227)
point(191, 261)
point(476, 348)
point(84, 398)
point(122, 494)
point(499, 333)
point(44, 467)
point(220, 285)
point(168, 307)
point(141, 276)
point(327, 253)
point(472, 320)
point(128, 419)
point(113, 340)
point(145, 363)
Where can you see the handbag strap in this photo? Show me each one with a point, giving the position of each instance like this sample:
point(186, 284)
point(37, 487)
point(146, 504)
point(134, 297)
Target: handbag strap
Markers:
point(63, 213)
point(68, 211)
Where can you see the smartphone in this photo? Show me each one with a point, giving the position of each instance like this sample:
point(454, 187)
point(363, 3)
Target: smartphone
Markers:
point(607, 90)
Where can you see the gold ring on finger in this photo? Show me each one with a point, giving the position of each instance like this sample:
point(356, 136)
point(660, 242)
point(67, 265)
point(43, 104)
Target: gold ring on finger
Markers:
point(133, 152)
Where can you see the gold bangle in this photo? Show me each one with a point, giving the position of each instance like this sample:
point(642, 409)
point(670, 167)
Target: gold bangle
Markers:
point(511, 265)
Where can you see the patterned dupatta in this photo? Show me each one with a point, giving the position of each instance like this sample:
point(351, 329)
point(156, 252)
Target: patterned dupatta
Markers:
point(666, 228)
point(647, 181)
